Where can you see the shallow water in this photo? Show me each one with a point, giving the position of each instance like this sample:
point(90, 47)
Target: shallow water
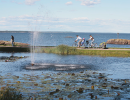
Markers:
point(118, 67)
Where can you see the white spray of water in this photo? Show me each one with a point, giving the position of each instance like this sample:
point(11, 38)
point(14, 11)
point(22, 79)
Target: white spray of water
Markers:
point(34, 44)
point(35, 26)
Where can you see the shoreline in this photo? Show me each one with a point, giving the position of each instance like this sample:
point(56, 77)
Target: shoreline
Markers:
point(66, 50)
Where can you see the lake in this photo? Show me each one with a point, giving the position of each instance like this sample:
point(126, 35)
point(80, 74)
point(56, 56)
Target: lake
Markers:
point(58, 38)
point(67, 63)
point(66, 73)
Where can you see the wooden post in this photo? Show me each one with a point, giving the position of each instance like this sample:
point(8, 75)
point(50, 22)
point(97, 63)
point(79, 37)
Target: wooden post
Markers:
point(117, 35)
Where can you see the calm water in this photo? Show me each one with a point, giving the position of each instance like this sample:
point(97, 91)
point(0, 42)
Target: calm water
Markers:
point(54, 39)
point(53, 62)
point(118, 67)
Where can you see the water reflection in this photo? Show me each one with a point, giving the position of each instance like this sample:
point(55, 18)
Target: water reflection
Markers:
point(57, 67)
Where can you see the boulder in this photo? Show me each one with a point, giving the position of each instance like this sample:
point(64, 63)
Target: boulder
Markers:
point(2, 42)
point(118, 41)
point(129, 42)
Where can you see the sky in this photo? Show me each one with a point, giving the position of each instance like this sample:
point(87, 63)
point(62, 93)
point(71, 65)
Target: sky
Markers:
point(65, 15)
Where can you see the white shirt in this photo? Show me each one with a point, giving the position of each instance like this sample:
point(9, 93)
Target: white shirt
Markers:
point(78, 38)
point(91, 38)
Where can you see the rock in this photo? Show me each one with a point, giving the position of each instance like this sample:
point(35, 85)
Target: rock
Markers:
point(80, 90)
point(10, 44)
point(2, 42)
point(129, 42)
point(69, 37)
point(118, 41)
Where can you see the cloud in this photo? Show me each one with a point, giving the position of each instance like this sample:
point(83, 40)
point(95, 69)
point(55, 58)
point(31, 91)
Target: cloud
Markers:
point(27, 2)
point(69, 3)
point(30, 2)
point(81, 19)
point(89, 2)
point(82, 24)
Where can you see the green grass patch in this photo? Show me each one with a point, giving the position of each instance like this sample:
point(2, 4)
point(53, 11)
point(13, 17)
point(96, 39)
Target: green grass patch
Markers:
point(67, 50)
point(105, 53)
point(61, 49)
point(117, 48)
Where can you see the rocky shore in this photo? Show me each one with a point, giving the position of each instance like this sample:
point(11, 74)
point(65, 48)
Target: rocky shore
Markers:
point(8, 43)
point(118, 41)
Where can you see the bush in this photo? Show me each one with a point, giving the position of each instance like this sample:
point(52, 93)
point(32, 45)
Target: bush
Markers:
point(64, 49)
point(10, 94)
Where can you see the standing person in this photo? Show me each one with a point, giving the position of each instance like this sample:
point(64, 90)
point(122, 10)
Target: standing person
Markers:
point(80, 40)
point(12, 40)
point(92, 39)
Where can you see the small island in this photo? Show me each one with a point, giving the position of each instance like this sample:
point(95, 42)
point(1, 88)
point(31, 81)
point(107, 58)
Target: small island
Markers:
point(118, 41)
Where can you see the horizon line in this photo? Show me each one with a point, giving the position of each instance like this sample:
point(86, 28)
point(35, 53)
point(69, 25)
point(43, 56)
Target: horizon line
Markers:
point(58, 31)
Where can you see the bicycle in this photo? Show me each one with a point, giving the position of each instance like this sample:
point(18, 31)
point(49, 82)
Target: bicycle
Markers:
point(75, 44)
point(94, 45)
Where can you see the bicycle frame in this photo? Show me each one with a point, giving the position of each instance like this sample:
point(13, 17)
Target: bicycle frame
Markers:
point(94, 45)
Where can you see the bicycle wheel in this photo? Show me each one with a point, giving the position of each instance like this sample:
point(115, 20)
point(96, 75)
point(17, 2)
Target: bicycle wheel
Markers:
point(95, 45)
point(84, 45)
point(74, 45)
point(89, 45)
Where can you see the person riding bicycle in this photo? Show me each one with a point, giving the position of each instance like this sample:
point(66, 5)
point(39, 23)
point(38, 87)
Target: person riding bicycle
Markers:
point(80, 40)
point(92, 39)
point(83, 41)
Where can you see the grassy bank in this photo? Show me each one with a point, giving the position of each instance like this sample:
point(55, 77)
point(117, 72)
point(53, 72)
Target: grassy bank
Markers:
point(66, 50)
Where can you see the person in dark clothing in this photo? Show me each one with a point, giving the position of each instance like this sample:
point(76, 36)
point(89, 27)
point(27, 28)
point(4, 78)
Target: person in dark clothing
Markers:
point(12, 40)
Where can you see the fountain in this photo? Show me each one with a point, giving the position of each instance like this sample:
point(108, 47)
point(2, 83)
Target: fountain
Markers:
point(34, 39)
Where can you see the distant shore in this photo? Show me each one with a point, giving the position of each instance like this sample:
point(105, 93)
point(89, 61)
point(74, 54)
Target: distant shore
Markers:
point(37, 31)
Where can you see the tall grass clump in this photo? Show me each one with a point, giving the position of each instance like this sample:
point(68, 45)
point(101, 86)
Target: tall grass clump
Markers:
point(64, 49)
point(10, 94)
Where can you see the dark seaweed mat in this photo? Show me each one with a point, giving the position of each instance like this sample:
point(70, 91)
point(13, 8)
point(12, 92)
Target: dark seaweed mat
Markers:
point(68, 86)
point(11, 58)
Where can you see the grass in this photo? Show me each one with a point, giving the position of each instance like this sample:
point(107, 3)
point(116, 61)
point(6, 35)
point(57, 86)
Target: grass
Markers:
point(9, 94)
point(66, 50)
point(117, 48)
point(61, 49)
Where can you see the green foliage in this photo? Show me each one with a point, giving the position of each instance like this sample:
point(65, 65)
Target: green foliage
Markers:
point(10, 94)
point(67, 50)
point(61, 49)
point(64, 49)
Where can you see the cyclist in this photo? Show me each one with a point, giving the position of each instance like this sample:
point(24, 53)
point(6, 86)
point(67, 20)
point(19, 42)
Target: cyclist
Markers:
point(80, 40)
point(83, 41)
point(92, 39)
